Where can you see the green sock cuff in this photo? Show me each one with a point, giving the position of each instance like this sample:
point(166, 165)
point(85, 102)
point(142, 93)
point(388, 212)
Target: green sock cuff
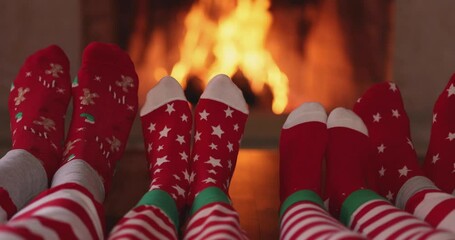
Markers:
point(299, 196)
point(207, 196)
point(354, 201)
point(163, 201)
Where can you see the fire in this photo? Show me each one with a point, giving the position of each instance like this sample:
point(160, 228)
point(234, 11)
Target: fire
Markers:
point(224, 37)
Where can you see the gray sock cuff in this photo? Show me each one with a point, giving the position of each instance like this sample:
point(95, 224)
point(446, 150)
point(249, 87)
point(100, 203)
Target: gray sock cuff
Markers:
point(410, 188)
point(22, 175)
point(80, 172)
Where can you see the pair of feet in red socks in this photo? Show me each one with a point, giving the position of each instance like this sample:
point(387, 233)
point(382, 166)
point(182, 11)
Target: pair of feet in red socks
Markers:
point(104, 107)
point(370, 148)
point(167, 120)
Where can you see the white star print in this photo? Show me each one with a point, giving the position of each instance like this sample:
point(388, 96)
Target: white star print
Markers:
point(160, 147)
point(381, 148)
point(228, 112)
point(158, 170)
point(161, 160)
point(212, 171)
point(217, 131)
point(184, 118)
point(453, 171)
point(435, 158)
point(28, 74)
point(164, 132)
point(209, 180)
point(393, 87)
point(434, 117)
point(451, 90)
point(184, 156)
point(196, 157)
point(404, 171)
point(359, 99)
point(376, 117)
point(213, 146)
point(395, 113)
point(203, 115)
point(230, 164)
point(97, 78)
point(149, 149)
point(152, 127)
point(236, 127)
point(193, 174)
point(197, 136)
point(131, 108)
point(176, 177)
point(382, 171)
point(451, 136)
point(170, 108)
point(214, 162)
point(389, 196)
point(230, 147)
point(155, 186)
point(180, 139)
point(180, 191)
point(186, 175)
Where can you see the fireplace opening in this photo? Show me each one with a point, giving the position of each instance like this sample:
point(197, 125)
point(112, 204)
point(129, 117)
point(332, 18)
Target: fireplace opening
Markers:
point(281, 53)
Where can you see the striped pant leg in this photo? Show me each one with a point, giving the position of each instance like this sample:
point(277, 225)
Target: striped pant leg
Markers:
point(144, 222)
point(7, 207)
point(435, 207)
point(307, 220)
point(214, 221)
point(378, 219)
point(67, 211)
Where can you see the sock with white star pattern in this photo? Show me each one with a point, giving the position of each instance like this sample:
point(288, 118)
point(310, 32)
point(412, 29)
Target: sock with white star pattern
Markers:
point(220, 118)
point(166, 123)
point(381, 109)
point(104, 107)
point(439, 163)
point(348, 148)
point(361, 209)
point(37, 105)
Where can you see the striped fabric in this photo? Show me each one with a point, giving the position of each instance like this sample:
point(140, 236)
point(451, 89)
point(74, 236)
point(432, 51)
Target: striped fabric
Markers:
point(378, 219)
point(435, 207)
point(307, 220)
point(7, 207)
point(144, 222)
point(67, 211)
point(214, 221)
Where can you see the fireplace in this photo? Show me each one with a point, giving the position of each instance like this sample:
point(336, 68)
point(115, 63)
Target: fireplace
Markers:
point(281, 53)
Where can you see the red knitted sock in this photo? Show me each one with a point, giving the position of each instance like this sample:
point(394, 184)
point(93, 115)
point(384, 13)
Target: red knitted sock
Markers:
point(220, 118)
point(37, 104)
point(302, 147)
point(440, 159)
point(382, 110)
point(348, 153)
point(166, 124)
point(104, 107)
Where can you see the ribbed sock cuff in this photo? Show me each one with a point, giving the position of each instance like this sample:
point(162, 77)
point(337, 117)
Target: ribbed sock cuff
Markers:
point(163, 201)
point(299, 196)
point(207, 196)
point(354, 201)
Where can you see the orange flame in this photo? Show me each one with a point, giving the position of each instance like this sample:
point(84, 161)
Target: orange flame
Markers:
point(222, 38)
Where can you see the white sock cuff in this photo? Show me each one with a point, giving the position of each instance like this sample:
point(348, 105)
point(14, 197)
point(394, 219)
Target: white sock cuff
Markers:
point(22, 175)
point(411, 187)
point(342, 117)
point(80, 172)
point(222, 89)
point(167, 90)
point(307, 112)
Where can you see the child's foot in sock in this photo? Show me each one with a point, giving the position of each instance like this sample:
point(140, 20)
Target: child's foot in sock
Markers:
point(104, 107)
point(37, 104)
point(220, 119)
point(347, 155)
point(166, 124)
point(302, 147)
point(381, 108)
point(439, 163)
